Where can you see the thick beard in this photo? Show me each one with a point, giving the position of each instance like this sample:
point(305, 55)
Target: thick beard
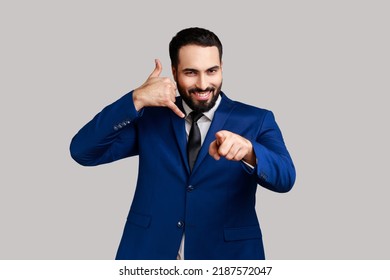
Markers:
point(200, 106)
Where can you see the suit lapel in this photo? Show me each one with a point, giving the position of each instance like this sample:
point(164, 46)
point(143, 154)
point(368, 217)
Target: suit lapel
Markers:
point(220, 117)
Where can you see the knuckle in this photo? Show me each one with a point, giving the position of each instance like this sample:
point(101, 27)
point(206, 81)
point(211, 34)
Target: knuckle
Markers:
point(222, 152)
point(165, 101)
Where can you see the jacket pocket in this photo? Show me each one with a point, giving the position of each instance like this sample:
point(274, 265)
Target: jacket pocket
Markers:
point(242, 233)
point(139, 220)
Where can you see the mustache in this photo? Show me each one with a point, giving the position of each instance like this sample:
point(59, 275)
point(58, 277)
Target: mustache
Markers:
point(193, 90)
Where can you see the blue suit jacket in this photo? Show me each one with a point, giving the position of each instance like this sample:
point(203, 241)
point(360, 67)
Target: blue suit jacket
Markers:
point(214, 205)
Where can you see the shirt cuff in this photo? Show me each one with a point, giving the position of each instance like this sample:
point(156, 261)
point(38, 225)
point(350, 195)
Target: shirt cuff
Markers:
point(248, 167)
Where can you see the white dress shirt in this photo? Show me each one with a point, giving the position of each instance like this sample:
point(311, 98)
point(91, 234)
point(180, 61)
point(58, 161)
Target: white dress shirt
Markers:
point(204, 124)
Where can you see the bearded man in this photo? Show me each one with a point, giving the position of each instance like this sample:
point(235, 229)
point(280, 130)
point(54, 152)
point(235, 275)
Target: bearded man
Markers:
point(201, 158)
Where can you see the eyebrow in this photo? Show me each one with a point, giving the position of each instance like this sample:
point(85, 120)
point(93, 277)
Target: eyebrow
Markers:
point(216, 67)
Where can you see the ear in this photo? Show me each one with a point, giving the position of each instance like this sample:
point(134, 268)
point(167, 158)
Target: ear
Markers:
point(174, 72)
point(221, 65)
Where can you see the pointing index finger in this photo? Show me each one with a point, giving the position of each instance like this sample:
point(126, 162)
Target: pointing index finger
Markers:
point(220, 136)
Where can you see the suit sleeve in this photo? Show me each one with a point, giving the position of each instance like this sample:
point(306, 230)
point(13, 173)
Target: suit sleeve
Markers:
point(275, 169)
point(111, 135)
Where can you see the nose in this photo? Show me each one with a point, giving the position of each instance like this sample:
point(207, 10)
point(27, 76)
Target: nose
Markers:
point(202, 82)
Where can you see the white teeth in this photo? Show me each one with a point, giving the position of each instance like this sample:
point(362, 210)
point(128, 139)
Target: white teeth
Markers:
point(202, 94)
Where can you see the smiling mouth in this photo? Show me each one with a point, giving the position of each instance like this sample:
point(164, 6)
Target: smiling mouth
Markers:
point(204, 95)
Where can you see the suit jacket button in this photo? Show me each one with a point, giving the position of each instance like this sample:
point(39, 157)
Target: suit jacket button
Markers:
point(190, 188)
point(180, 224)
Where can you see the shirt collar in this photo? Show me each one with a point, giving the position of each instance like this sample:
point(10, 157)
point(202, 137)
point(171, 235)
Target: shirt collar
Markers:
point(209, 114)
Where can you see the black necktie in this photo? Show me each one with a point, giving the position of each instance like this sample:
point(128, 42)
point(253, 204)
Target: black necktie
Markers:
point(194, 140)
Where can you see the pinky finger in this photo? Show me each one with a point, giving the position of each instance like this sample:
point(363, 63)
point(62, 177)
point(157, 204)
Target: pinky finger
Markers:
point(176, 109)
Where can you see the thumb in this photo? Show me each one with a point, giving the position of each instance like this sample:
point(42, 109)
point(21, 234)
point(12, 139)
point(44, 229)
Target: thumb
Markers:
point(213, 150)
point(157, 70)
point(220, 137)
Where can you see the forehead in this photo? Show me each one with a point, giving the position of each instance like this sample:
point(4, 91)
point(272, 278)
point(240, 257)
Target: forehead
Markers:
point(198, 57)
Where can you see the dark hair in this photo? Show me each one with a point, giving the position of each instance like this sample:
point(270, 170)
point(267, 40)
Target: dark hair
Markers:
point(192, 36)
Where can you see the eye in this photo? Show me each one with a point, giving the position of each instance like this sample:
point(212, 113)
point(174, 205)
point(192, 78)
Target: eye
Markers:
point(190, 73)
point(212, 71)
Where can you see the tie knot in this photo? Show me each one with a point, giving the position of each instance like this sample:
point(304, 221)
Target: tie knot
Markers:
point(196, 115)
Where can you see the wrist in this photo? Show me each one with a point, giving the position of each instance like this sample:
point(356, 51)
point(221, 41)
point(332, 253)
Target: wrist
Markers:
point(137, 100)
point(250, 157)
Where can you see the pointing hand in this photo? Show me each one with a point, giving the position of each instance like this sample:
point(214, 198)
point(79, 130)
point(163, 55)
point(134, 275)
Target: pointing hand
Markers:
point(233, 147)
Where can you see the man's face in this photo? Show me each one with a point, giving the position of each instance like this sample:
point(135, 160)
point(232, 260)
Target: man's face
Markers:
point(199, 76)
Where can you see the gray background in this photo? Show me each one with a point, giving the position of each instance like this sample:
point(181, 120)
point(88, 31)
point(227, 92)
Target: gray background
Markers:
point(321, 66)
